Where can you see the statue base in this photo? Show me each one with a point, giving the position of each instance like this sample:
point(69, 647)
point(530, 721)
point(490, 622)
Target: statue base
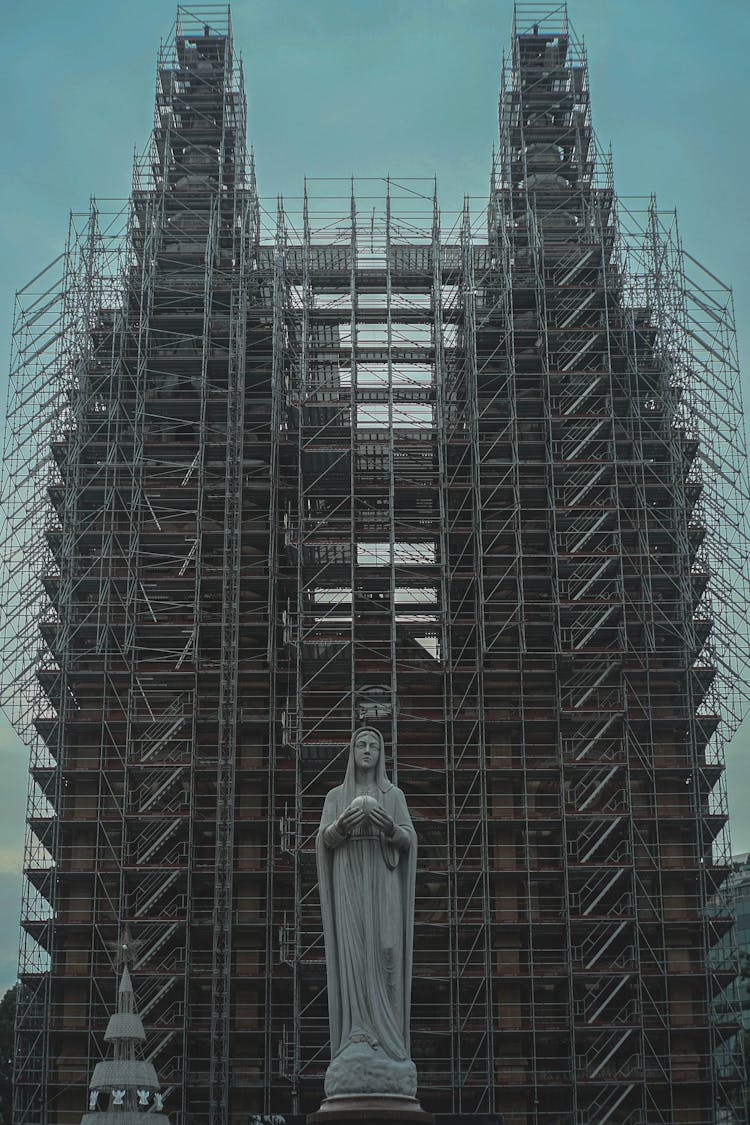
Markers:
point(391, 1109)
point(361, 1069)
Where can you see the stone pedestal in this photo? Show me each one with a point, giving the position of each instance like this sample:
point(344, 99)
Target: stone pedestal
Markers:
point(363, 1069)
point(370, 1109)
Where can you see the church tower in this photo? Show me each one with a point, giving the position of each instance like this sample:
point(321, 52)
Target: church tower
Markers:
point(468, 478)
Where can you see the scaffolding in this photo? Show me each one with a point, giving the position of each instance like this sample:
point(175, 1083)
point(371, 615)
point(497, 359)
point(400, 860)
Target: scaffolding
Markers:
point(477, 479)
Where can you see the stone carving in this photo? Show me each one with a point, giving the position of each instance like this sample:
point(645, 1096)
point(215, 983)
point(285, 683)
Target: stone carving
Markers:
point(367, 859)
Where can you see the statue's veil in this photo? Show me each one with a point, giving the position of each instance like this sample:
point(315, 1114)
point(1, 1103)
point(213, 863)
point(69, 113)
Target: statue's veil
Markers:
point(381, 778)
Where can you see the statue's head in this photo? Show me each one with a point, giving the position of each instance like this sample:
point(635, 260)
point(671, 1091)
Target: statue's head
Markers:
point(367, 746)
point(366, 752)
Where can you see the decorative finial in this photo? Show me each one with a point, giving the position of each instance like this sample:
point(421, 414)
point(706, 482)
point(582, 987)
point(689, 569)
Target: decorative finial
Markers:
point(126, 948)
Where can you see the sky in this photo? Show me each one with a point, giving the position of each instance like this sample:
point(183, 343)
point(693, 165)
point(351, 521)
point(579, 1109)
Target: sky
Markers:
point(367, 87)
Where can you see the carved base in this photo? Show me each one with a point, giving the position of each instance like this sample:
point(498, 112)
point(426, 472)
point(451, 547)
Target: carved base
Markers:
point(391, 1109)
point(361, 1070)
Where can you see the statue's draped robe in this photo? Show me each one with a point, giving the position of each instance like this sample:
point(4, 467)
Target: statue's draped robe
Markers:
point(367, 901)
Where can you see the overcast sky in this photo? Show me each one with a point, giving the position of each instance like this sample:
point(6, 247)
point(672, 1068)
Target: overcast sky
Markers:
point(370, 87)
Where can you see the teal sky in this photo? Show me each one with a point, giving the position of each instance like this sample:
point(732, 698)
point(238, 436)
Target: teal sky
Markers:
point(369, 87)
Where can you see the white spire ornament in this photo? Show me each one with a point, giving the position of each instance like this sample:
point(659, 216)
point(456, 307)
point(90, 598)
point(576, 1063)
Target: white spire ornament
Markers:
point(124, 1087)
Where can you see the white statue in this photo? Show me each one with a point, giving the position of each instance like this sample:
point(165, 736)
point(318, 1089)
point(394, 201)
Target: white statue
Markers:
point(367, 859)
point(118, 1097)
point(93, 1099)
point(142, 1097)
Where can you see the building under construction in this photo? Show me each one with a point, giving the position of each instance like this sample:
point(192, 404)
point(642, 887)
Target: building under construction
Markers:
point(474, 478)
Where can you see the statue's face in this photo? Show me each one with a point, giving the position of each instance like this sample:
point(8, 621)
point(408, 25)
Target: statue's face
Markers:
point(366, 750)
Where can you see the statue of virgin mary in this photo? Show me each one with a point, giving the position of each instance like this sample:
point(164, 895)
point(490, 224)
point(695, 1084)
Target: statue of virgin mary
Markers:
point(367, 859)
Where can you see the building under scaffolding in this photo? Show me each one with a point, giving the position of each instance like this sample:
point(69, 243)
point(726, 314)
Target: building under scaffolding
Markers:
point(474, 478)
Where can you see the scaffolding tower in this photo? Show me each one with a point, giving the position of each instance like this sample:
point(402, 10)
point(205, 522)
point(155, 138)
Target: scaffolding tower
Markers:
point(476, 479)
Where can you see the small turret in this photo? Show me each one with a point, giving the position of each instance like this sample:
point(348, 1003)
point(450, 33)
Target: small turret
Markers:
point(124, 1087)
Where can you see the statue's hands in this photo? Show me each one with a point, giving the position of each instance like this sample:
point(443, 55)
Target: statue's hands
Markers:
point(383, 821)
point(350, 819)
